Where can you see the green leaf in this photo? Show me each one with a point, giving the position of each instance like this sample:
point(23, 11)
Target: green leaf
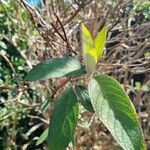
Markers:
point(46, 104)
point(54, 68)
point(100, 41)
point(114, 108)
point(42, 137)
point(84, 98)
point(89, 51)
point(63, 121)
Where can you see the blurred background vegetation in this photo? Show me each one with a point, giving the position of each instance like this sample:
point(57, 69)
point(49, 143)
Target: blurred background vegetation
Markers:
point(29, 36)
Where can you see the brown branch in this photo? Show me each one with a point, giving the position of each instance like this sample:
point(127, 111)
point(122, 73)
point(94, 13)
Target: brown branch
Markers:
point(65, 36)
point(73, 16)
point(60, 86)
point(8, 63)
point(124, 65)
point(56, 30)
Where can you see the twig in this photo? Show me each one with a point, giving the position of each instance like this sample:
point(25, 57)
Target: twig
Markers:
point(40, 118)
point(8, 63)
point(65, 36)
point(18, 97)
point(18, 100)
point(60, 86)
point(57, 31)
point(28, 105)
point(124, 65)
point(92, 118)
point(73, 16)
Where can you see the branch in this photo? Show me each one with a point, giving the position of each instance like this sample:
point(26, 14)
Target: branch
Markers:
point(60, 86)
point(8, 63)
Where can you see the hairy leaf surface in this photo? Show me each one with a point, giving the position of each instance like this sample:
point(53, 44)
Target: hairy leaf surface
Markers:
point(115, 110)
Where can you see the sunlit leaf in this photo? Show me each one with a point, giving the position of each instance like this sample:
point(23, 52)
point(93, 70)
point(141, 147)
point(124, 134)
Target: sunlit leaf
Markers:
point(54, 68)
point(114, 108)
point(88, 48)
point(100, 41)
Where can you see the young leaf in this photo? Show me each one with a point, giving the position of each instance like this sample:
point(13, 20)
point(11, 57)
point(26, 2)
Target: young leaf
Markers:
point(88, 48)
point(63, 121)
point(115, 110)
point(42, 137)
point(100, 40)
point(92, 50)
point(54, 68)
point(84, 98)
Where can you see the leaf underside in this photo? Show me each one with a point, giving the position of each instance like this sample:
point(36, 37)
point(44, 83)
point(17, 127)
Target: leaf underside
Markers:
point(84, 98)
point(115, 110)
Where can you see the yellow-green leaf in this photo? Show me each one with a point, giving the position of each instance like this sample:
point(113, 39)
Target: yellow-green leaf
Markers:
point(89, 51)
point(100, 40)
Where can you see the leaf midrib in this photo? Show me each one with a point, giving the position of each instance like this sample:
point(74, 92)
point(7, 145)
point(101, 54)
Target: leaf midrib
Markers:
point(113, 112)
point(65, 118)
